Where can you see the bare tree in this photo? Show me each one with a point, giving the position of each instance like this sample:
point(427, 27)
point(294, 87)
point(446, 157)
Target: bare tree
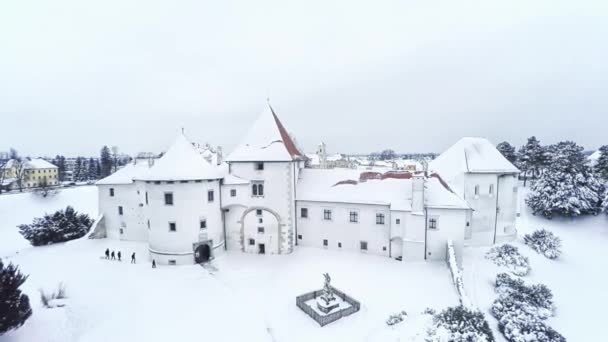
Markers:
point(19, 169)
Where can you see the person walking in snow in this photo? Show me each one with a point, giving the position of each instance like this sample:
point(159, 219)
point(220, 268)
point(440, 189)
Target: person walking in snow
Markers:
point(133, 258)
point(153, 263)
point(107, 253)
point(119, 256)
point(113, 256)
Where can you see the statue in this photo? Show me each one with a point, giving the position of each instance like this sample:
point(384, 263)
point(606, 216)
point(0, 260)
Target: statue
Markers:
point(327, 301)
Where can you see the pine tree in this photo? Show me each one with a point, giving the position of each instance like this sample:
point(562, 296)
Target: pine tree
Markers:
point(63, 225)
point(602, 163)
point(98, 169)
point(59, 161)
point(14, 306)
point(92, 170)
point(106, 162)
point(532, 158)
point(567, 187)
point(78, 170)
point(508, 151)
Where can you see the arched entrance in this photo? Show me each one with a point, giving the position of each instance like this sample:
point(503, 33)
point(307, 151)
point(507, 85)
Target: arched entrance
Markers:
point(260, 231)
point(202, 253)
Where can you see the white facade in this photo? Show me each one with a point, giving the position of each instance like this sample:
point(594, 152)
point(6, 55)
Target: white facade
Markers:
point(262, 199)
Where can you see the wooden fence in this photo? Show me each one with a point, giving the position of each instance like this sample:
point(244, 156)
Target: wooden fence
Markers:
point(326, 319)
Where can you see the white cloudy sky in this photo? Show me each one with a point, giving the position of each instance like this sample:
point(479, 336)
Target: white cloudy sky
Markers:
point(411, 75)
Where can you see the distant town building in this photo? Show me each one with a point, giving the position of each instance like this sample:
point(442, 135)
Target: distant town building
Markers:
point(31, 173)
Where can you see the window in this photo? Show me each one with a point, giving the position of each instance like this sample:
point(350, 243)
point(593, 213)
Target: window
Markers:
point(172, 227)
point(198, 181)
point(397, 221)
point(354, 216)
point(122, 231)
point(111, 192)
point(170, 182)
point(261, 230)
point(251, 242)
point(156, 182)
point(491, 189)
point(379, 218)
point(148, 224)
point(300, 237)
point(232, 192)
point(172, 262)
point(260, 220)
point(327, 214)
point(325, 243)
point(259, 166)
point(168, 198)
point(146, 198)
point(304, 212)
point(203, 224)
point(384, 248)
point(119, 210)
point(433, 223)
point(257, 189)
point(258, 212)
point(183, 181)
point(339, 244)
point(210, 196)
point(476, 190)
point(363, 245)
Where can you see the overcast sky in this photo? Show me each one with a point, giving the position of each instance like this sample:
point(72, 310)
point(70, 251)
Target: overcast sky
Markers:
point(360, 76)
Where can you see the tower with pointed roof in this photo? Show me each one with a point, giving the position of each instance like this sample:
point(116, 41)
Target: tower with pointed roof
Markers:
point(259, 203)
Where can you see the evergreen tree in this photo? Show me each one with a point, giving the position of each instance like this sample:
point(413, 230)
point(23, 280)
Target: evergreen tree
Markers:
point(14, 306)
point(59, 161)
point(106, 162)
point(92, 170)
point(63, 225)
point(98, 169)
point(567, 187)
point(79, 170)
point(508, 151)
point(602, 163)
point(532, 158)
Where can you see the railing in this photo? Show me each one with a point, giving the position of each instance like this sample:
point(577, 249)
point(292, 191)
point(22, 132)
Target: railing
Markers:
point(326, 319)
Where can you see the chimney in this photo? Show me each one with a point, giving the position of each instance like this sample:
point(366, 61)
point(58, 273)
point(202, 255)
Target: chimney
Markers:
point(219, 155)
point(418, 193)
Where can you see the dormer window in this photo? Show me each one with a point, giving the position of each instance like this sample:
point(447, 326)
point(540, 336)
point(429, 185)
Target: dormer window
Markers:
point(259, 166)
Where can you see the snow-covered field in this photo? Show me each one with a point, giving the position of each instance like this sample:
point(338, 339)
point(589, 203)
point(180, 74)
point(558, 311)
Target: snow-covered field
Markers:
point(242, 297)
point(578, 278)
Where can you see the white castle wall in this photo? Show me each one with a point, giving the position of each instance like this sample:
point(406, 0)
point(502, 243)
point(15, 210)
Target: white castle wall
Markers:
point(314, 229)
point(132, 221)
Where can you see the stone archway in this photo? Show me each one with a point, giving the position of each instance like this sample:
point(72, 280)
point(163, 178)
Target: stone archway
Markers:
point(202, 253)
point(280, 238)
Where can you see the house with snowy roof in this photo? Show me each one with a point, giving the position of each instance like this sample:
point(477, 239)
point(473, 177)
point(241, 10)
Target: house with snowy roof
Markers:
point(263, 199)
point(487, 181)
point(31, 172)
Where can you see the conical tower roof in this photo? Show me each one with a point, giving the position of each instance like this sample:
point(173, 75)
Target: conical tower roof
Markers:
point(267, 140)
point(182, 161)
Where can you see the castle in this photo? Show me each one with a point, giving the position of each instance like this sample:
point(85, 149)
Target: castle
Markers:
point(189, 207)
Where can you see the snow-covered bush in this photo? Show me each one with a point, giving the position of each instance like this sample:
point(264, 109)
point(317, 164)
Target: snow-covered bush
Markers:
point(55, 298)
point(520, 310)
point(396, 318)
point(567, 187)
point(544, 242)
point(460, 324)
point(509, 256)
point(64, 225)
point(14, 306)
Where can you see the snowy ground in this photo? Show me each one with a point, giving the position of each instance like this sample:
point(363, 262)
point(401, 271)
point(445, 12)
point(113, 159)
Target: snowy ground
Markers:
point(578, 278)
point(252, 297)
point(241, 297)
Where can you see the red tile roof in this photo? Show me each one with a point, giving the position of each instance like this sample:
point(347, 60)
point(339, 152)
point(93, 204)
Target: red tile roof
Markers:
point(289, 144)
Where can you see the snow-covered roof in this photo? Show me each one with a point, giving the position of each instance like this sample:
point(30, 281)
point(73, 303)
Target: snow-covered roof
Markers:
point(230, 179)
point(182, 161)
point(471, 155)
point(136, 169)
point(36, 163)
point(593, 158)
point(393, 189)
point(267, 140)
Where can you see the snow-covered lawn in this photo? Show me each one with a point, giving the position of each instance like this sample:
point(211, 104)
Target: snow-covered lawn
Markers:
point(578, 278)
point(242, 297)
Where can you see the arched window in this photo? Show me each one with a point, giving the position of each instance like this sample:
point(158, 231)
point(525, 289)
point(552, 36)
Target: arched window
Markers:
point(254, 189)
point(261, 189)
point(257, 189)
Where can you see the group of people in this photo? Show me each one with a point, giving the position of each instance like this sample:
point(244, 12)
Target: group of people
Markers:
point(113, 256)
